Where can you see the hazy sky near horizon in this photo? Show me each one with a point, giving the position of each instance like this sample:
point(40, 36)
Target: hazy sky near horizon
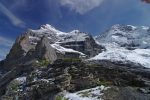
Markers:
point(91, 16)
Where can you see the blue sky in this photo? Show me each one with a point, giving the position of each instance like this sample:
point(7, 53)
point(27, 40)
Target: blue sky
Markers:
point(91, 16)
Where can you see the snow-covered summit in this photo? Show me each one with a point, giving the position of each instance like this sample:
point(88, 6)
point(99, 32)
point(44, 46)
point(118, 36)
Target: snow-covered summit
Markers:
point(75, 31)
point(47, 30)
point(47, 26)
point(126, 43)
point(127, 36)
point(56, 35)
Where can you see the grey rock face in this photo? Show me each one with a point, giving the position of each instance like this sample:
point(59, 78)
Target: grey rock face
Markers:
point(20, 48)
point(18, 51)
point(44, 50)
point(124, 93)
point(88, 47)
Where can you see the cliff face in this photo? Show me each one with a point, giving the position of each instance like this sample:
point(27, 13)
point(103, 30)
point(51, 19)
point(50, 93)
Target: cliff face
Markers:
point(88, 47)
point(51, 44)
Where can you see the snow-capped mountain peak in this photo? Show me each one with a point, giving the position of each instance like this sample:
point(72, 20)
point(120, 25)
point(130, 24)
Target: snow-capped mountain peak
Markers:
point(55, 44)
point(127, 28)
point(47, 26)
point(126, 43)
point(75, 31)
point(127, 36)
point(57, 36)
point(47, 30)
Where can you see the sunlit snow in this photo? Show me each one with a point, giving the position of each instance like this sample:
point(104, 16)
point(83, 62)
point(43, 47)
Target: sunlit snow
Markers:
point(126, 43)
point(88, 94)
point(64, 50)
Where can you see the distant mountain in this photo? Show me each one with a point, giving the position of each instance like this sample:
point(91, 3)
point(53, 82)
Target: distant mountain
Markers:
point(126, 43)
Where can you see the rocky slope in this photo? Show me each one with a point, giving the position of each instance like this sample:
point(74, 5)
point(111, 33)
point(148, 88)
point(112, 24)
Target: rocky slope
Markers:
point(47, 64)
point(44, 82)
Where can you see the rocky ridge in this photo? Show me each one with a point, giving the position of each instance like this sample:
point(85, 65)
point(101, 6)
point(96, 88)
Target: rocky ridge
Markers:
point(51, 44)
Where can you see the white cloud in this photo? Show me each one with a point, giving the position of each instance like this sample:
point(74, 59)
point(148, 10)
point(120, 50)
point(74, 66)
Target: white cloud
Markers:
point(5, 41)
point(81, 6)
point(14, 19)
point(5, 45)
point(18, 3)
point(3, 53)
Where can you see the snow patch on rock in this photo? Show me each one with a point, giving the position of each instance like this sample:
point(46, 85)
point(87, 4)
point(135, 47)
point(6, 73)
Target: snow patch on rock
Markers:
point(64, 50)
point(87, 94)
point(21, 80)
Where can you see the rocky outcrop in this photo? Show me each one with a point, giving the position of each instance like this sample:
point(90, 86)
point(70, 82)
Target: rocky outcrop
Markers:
point(88, 47)
point(74, 75)
point(17, 52)
point(124, 93)
point(12, 74)
point(20, 48)
point(43, 50)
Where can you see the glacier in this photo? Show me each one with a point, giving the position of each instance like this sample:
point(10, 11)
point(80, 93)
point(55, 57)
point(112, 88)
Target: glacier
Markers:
point(125, 43)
